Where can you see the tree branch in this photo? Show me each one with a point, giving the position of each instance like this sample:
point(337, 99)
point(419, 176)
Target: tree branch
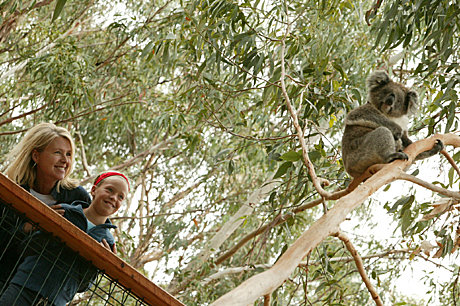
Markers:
point(373, 11)
point(84, 161)
point(136, 158)
point(234, 270)
point(11, 119)
point(285, 217)
point(451, 160)
point(267, 299)
point(306, 160)
point(359, 266)
point(404, 176)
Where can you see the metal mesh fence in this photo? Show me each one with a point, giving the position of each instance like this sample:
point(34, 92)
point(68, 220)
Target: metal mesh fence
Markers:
point(41, 267)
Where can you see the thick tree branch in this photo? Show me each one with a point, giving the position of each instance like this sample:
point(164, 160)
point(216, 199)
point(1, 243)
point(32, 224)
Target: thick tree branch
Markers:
point(359, 266)
point(426, 144)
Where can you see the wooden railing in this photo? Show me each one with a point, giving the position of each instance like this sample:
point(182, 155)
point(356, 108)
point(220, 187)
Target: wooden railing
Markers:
point(84, 245)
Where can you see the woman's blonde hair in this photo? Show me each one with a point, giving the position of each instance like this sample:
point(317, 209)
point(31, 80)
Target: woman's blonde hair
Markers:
point(21, 168)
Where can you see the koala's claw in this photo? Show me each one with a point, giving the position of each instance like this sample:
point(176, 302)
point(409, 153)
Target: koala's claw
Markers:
point(396, 155)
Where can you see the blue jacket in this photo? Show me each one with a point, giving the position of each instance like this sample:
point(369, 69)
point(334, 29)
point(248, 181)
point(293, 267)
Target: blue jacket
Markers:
point(54, 271)
point(68, 195)
point(11, 233)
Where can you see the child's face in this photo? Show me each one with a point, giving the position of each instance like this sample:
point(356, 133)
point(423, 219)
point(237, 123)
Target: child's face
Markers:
point(109, 195)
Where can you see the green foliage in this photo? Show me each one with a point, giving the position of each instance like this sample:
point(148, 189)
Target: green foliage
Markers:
point(185, 97)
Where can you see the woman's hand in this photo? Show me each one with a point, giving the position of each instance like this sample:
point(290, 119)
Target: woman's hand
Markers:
point(58, 208)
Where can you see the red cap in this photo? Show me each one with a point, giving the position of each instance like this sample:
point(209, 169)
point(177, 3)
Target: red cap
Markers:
point(107, 174)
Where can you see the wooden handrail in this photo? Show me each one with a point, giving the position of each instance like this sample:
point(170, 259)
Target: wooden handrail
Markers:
point(80, 242)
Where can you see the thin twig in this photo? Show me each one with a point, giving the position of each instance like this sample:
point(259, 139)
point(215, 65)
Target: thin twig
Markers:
point(84, 161)
point(22, 115)
point(359, 266)
point(311, 170)
point(267, 299)
point(404, 176)
point(450, 160)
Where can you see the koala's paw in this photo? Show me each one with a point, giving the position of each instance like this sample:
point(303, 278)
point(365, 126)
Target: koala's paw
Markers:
point(397, 135)
point(395, 156)
point(406, 141)
point(438, 146)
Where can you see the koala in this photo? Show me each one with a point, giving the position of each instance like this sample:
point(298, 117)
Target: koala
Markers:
point(376, 132)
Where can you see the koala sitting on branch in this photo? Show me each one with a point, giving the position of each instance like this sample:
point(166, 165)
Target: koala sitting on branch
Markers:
point(376, 132)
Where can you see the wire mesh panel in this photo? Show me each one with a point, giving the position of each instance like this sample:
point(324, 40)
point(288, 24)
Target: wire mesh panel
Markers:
point(108, 290)
point(11, 238)
point(41, 261)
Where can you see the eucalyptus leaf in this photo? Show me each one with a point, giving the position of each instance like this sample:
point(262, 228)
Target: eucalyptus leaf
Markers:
point(58, 9)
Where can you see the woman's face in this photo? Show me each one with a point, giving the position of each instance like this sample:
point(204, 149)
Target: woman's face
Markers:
point(54, 161)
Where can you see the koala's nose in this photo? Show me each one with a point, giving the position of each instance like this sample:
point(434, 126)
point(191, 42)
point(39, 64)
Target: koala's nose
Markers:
point(390, 99)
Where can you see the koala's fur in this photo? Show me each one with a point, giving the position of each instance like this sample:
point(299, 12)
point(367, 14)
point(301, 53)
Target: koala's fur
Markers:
point(376, 132)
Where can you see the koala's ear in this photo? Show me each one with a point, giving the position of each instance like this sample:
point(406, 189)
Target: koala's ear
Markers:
point(377, 79)
point(412, 102)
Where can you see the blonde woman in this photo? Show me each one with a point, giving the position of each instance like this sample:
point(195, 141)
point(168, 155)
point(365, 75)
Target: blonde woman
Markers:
point(41, 163)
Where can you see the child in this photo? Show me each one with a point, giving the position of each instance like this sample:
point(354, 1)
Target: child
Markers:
point(55, 278)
